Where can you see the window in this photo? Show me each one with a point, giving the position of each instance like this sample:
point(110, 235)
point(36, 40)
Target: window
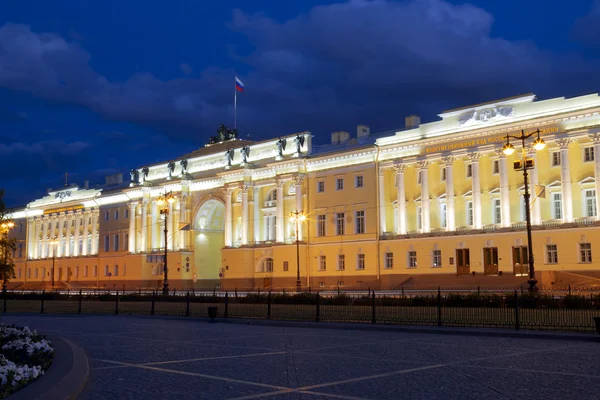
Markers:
point(556, 205)
point(106, 270)
point(359, 181)
point(443, 174)
point(436, 258)
point(340, 223)
point(126, 213)
point(86, 271)
point(359, 217)
point(322, 263)
point(419, 176)
point(339, 184)
point(106, 215)
point(389, 260)
point(77, 271)
point(555, 158)
point(117, 213)
point(590, 203)
point(470, 213)
point(126, 244)
point(19, 273)
point(320, 186)
point(360, 261)
point(443, 215)
point(35, 273)
point(419, 218)
point(269, 265)
point(496, 167)
point(585, 252)
point(286, 266)
point(95, 270)
point(124, 269)
point(551, 254)
point(412, 259)
point(116, 270)
point(321, 223)
point(28, 272)
point(270, 224)
point(106, 243)
point(341, 262)
point(497, 210)
point(469, 170)
point(588, 154)
point(116, 244)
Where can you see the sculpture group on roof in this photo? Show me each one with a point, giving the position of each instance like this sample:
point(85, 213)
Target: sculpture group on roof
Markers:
point(223, 134)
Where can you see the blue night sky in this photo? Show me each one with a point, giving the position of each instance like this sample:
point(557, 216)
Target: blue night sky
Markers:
point(99, 87)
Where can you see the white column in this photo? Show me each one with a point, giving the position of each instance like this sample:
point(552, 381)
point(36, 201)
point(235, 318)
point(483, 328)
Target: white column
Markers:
point(425, 208)
point(596, 139)
point(30, 238)
point(68, 219)
point(536, 210)
point(450, 220)
point(257, 220)
point(144, 235)
point(36, 238)
point(76, 235)
point(95, 214)
point(299, 203)
point(182, 220)
point(172, 226)
point(85, 234)
point(382, 202)
point(228, 217)
point(59, 223)
point(476, 189)
point(504, 190)
point(244, 189)
point(279, 221)
point(132, 216)
point(401, 198)
point(154, 226)
point(45, 222)
point(565, 178)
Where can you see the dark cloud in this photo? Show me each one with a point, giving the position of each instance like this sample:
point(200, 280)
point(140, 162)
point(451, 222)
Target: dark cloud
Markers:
point(587, 28)
point(185, 68)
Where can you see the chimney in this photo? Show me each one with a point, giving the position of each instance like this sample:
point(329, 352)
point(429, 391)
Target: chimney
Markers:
point(86, 184)
point(362, 131)
point(340, 137)
point(412, 121)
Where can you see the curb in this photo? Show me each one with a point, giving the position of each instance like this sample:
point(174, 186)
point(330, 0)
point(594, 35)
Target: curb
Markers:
point(66, 377)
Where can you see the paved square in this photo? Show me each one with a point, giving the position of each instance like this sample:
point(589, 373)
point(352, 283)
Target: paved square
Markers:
point(141, 358)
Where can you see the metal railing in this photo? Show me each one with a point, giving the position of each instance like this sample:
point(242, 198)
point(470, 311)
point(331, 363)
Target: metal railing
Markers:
point(512, 310)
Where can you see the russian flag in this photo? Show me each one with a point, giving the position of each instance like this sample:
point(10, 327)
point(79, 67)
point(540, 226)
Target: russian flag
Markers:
point(239, 85)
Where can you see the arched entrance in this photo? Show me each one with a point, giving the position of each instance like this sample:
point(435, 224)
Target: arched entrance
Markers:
point(209, 239)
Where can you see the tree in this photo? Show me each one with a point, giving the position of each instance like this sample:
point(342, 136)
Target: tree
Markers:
point(7, 245)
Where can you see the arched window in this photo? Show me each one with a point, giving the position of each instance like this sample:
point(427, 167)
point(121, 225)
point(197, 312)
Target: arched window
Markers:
point(266, 265)
point(271, 198)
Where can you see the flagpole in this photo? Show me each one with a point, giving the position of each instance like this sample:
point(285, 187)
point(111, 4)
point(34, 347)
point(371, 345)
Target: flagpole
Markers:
point(234, 107)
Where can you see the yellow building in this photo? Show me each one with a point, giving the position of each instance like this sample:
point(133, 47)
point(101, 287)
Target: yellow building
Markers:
point(429, 204)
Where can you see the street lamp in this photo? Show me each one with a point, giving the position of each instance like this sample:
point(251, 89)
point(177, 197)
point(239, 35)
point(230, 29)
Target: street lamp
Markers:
point(508, 149)
point(53, 243)
point(163, 201)
point(297, 217)
point(6, 226)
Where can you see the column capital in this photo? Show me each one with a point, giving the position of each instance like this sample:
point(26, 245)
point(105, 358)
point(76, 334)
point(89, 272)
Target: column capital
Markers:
point(298, 179)
point(380, 171)
point(279, 182)
point(244, 188)
point(474, 157)
point(499, 153)
point(227, 191)
point(422, 164)
point(448, 160)
point(399, 168)
point(595, 137)
point(563, 143)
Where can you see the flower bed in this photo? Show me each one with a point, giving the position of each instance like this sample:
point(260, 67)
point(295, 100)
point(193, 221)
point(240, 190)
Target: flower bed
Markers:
point(25, 355)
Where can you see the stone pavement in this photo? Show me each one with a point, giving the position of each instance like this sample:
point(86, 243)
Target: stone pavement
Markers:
point(159, 358)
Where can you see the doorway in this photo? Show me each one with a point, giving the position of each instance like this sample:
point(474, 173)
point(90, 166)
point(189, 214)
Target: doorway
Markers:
point(490, 261)
point(60, 274)
point(520, 260)
point(463, 262)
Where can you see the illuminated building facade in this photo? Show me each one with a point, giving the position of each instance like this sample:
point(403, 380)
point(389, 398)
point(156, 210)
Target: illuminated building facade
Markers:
point(432, 201)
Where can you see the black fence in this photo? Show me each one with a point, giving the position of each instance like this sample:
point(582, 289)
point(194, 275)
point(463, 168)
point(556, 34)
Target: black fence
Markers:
point(513, 310)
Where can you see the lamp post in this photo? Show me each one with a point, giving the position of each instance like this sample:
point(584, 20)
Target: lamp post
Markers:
point(53, 243)
point(163, 201)
point(297, 217)
point(508, 149)
point(6, 226)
